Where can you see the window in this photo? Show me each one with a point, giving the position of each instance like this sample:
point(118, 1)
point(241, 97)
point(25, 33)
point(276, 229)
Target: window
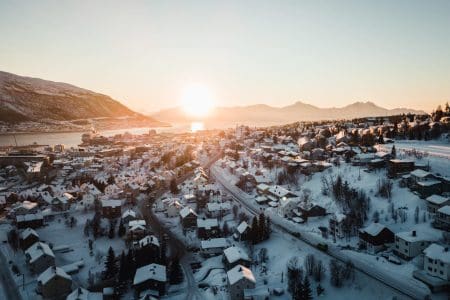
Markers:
point(442, 273)
point(430, 269)
point(442, 264)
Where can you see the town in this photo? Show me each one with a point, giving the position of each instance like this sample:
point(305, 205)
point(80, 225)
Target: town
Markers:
point(300, 211)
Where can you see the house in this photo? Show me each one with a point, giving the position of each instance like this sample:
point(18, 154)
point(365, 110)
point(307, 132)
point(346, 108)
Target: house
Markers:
point(151, 277)
point(437, 261)
point(420, 175)
point(428, 187)
point(149, 241)
point(240, 278)
point(218, 209)
point(309, 210)
point(434, 202)
point(262, 188)
point(207, 228)
point(25, 208)
point(54, 283)
point(442, 218)
point(233, 256)
point(62, 203)
point(188, 217)
point(242, 231)
point(411, 243)
point(277, 192)
point(286, 206)
point(83, 294)
point(339, 226)
point(213, 247)
point(128, 215)
point(111, 209)
point(174, 208)
point(30, 220)
point(39, 257)
point(28, 237)
point(374, 237)
point(399, 166)
point(136, 229)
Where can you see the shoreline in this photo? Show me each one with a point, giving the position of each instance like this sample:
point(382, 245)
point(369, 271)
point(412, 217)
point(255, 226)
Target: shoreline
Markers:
point(76, 130)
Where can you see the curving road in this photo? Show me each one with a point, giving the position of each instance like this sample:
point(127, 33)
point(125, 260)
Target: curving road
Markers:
point(176, 246)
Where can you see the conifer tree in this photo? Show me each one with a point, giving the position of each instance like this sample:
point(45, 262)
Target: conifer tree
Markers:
point(110, 265)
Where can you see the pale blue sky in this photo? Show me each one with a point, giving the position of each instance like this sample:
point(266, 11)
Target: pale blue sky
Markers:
point(327, 53)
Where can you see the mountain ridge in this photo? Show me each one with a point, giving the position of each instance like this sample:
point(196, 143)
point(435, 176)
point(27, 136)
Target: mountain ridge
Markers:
point(298, 111)
point(24, 98)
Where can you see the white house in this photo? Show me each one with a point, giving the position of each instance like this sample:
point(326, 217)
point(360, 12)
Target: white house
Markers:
point(287, 205)
point(435, 202)
point(412, 243)
point(213, 246)
point(437, 261)
point(240, 278)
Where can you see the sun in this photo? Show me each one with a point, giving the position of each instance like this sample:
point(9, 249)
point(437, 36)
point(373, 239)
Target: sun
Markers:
point(197, 100)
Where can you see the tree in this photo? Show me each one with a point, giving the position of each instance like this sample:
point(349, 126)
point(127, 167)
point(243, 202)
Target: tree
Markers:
point(123, 273)
point(176, 274)
point(121, 231)
point(306, 292)
point(110, 265)
point(173, 186)
point(255, 231)
point(335, 273)
point(319, 271)
point(309, 264)
point(225, 229)
point(416, 215)
point(294, 274)
point(393, 152)
point(111, 232)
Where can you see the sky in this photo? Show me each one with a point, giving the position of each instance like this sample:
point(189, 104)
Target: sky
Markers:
point(326, 53)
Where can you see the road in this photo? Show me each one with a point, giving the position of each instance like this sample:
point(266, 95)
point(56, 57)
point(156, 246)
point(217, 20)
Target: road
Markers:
point(8, 286)
point(387, 279)
point(176, 246)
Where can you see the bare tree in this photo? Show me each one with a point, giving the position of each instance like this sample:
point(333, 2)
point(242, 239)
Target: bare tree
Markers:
point(309, 263)
point(319, 271)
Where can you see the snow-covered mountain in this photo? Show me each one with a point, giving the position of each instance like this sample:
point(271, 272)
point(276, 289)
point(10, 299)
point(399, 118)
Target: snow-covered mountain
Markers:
point(32, 99)
point(298, 111)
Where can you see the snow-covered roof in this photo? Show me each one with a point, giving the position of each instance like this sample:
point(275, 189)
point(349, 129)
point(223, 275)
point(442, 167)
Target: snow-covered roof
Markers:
point(129, 213)
point(37, 250)
point(29, 217)
point(214, 243)
point(438, 252)
point(207, 223)
point(428, 182)
point(234, 253)
point(437, 199)
point(373, 229)
point(238, 273)
point(150, 272)
point(420, 173)
point(27, 232)
point(149, 239)
point(218, 206)
point(186, 211)
point(83, 294)
point(242, 227)
point(444, 210)
point(417, 236)
point(111, 203)
point(52, 272)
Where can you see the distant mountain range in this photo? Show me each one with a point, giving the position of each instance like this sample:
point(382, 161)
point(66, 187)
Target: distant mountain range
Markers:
point(298, 111)
point(32, 99)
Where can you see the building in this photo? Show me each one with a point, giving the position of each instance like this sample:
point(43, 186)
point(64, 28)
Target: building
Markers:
point(442, 218)
point(398, 167)
point(375, 237)
point(174, 208)
point(412, 243)
point(207, 228)
point(311, 210)
point(83, 294)
point(111, 209)
point(286, 206)
point(213, 247)
point(435, 202)
point(151, 277)
point(54, 283)
point(215, 209)
point(30, 221)
point(233, 256)
point(240, 278)
point(188, 217)
point(242, 231)
point(437, 261)
point(39, 257)
point(339, 227)
point(28, 237)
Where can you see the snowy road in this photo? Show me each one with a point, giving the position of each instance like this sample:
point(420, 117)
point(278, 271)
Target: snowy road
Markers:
point(406, 286)
point(437, 149)
point(8, 288)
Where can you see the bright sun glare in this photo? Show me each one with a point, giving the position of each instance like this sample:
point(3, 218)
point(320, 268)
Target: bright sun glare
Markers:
point(197, 100)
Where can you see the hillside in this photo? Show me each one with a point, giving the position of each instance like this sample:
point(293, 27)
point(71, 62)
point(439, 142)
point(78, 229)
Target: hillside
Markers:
point(298, 111)
point(31, 99)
